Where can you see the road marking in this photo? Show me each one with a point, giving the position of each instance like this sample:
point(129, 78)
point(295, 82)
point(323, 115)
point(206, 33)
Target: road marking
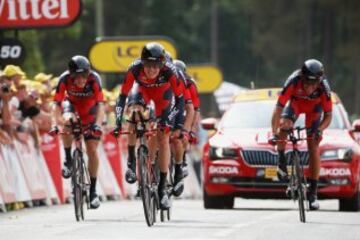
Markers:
point(226, 232)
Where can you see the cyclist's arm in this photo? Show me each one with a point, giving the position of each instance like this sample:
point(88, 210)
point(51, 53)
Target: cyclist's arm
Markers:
point(283, 98)
point(99, 96)
point(56, 111)
point(326, 121)
point(121, 100)
point(190, 113)
point(100, 113)
point(178, 88)
point(196, 102)
point(327, 106)
point(275, 119)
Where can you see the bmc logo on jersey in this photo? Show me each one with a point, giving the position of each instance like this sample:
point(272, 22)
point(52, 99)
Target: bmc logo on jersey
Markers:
point(38, 13)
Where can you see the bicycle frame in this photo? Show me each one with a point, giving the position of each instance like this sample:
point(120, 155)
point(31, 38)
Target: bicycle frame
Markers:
point(147, 179)
point(80, 179)
point(297, 186)
point(297, 183)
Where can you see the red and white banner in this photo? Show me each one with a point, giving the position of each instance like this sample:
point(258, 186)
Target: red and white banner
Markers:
point(106, 174)
point(6, 179)
point(52, 195)
point(19, 182)
point(38, 13)
point(2, 204)
point(32, 170)
point(50, 147)
point(113, 152)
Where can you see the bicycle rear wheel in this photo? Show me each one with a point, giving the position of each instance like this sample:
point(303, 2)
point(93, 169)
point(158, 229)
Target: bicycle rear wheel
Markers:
point(77, 177)
point(300, 188)
point(147, 195)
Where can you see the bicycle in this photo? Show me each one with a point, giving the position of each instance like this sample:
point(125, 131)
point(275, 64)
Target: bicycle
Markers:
point(80, 178)
point(147, 180)
point(297, 185)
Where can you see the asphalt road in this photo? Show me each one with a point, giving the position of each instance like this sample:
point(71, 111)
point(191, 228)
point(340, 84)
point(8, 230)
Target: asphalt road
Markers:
point(251, 219)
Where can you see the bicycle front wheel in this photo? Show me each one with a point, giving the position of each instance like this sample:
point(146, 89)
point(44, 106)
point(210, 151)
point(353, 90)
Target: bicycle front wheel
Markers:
point(299, 175)
point(147, 196)
point(77, 183)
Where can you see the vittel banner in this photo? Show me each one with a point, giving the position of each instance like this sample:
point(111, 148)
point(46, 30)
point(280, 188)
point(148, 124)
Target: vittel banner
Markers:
point(16, 14)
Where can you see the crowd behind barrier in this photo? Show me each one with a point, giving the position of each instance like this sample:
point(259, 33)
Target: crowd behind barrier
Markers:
point(31, 159)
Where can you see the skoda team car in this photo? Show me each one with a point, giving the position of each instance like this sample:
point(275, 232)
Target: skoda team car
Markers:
point(239, 161)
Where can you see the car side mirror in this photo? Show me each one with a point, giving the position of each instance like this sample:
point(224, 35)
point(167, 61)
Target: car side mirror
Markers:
point(209, 123)
point(356, 125)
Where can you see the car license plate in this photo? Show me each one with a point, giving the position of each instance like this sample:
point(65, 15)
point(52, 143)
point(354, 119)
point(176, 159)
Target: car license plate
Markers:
point(270, 173)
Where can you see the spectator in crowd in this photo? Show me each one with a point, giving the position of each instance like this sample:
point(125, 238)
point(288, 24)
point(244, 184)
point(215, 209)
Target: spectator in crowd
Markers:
point(5, 120)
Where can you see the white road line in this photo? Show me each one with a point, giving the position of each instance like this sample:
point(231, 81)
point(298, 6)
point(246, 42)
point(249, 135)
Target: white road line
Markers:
point(226, 232)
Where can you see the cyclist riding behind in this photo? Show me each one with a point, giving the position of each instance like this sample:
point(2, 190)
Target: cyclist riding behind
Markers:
point(79, 92)
point(192, 110)
point(180, 131)
point(157, 81)
point(305, 91)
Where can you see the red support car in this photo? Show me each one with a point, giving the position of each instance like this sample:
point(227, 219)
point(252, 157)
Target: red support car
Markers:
point(239, 162)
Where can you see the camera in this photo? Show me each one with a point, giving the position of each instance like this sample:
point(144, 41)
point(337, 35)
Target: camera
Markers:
point(5, 88)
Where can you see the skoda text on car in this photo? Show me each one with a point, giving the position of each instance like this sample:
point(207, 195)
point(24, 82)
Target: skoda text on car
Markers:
point(238, 161)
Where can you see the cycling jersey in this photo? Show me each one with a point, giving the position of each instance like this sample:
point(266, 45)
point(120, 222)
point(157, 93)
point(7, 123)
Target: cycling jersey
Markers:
point(84, 100)
point(294, 100)
point(160, 89)
point(190, 84)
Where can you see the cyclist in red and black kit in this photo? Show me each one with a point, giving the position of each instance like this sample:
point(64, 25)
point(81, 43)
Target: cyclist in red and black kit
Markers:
point(79, 91)
point(180, 131)
point(193, 109)
point(157, 81)
point(305, 91)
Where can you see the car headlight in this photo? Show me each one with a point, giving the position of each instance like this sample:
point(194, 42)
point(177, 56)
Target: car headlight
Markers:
point(344, 154)
point(221, 153)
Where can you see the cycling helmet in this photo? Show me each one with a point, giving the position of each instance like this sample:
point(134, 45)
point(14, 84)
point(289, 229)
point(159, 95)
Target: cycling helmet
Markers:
point(79, 65)
point(168, 57)
point(313, 70)
point(153, 52)
point(180, 65)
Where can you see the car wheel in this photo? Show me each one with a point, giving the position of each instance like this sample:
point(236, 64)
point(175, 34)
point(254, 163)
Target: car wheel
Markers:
point(350, 204)
point(218, 202)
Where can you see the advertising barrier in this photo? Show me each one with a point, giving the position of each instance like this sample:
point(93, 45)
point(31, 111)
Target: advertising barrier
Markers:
point(2, 204)
point(50, 147)
point(19, 182)
point(112, 149)
point(6, 179)
point(106, 176)
point(33, 175)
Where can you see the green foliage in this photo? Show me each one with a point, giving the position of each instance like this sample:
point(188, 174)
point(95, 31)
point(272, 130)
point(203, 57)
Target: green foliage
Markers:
point(258, 40)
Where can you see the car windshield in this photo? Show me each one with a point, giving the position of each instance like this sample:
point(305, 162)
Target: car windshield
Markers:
point(257, 114)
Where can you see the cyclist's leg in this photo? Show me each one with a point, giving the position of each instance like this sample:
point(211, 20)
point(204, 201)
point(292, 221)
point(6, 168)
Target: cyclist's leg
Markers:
point(91, 143)
point(178, 150)
point(162, 107)
point(136, 102)
point(288, 117)
point(312, 123)
point(68, 114)
point(189, 120)
point(130, 175)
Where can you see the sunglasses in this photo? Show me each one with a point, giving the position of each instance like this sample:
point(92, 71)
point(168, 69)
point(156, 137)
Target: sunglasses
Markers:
point(152, 64)
point(82, 74)
point(308, 81)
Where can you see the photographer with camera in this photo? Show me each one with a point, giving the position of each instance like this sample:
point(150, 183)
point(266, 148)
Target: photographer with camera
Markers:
point(5, 120)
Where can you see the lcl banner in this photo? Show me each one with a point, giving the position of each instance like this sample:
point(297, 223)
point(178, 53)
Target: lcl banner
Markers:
point(15, 14)
point(115, 54)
